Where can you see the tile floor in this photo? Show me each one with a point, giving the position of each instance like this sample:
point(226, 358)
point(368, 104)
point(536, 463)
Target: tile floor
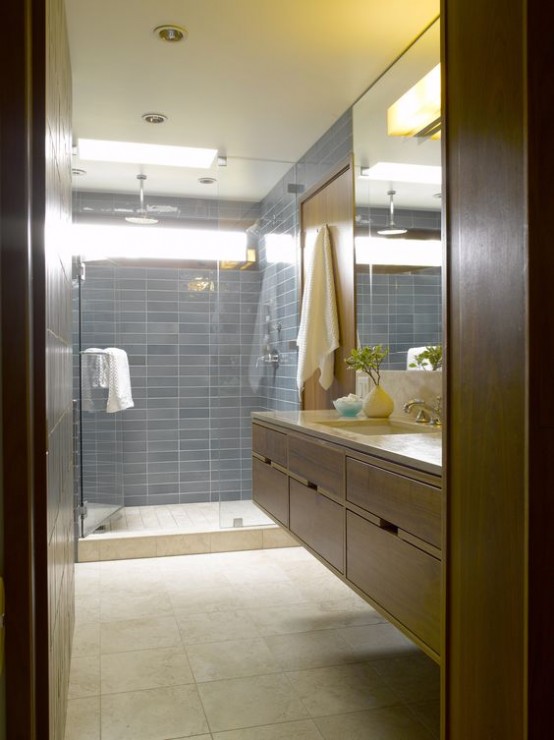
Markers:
point(257, 645)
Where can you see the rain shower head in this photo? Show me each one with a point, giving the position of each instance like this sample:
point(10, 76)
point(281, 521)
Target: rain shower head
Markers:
point(391, 229)
point(142, 217)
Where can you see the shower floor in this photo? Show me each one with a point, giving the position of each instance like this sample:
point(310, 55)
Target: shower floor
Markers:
point(182, 529)
point(183, 518)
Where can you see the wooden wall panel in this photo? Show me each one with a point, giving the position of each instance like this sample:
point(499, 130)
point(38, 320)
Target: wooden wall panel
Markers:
point(332, 203)
point(484, 681)
point(16, 126)
point(54, 464)
point(35, 210)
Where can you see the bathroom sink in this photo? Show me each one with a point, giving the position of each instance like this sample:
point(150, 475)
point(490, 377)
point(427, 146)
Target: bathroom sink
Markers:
point(374, 427)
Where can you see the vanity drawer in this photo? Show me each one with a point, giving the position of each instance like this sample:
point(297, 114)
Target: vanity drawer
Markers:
point(403, 579)
point(319, 522)
point(270, 444)
point(408, 504)
point(318, 463)
point(271, 490)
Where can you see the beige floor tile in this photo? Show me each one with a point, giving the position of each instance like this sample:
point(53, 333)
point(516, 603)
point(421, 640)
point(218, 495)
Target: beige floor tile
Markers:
point(154, 714)
point(291, 554)
point(378, 641)
point(387, 723)
point(304, 729)
point(326, 587)
point(341, 689)
point(428, 713)
point(215, 626)
point(269, 594)
point(309, 617)
point(311, 650)
point(144, 669)
point(231, 659)
point(415, 666)
point(87, 607)
point(139, 634)
point(247, 702)
point(83, 719)
point(84, 677)
point(257, 572)
point(87, 578)
point(414, 677)
point(133, 605)
point(86, 639)
point(196, 598)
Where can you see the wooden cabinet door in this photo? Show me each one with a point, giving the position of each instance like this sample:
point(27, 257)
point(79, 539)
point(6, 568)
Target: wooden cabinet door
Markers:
point(401, 578)
point(319, 522)
point(270, 489)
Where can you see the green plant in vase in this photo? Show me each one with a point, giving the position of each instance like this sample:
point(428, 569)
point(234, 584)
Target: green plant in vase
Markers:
point(431, 355)
point(377, 403)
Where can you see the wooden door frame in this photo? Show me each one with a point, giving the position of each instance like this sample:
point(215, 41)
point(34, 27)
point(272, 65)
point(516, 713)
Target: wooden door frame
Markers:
point(22, 157)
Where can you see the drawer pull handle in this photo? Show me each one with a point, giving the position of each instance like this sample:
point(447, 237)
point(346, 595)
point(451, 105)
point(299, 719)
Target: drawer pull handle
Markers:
point(388, 526)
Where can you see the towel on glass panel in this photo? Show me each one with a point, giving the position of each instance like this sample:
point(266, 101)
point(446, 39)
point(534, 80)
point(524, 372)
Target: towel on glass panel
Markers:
point(318, 335)
point(101, 369)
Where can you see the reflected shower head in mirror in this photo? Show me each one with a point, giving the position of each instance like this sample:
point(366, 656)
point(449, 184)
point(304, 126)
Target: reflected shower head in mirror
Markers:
point(391, 229)
point(142, 216)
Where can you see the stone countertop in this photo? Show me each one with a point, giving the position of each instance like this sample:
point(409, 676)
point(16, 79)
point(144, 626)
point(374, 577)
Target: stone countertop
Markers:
point(422, 450)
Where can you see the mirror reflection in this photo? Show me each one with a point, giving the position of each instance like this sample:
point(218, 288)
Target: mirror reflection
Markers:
point(398, 207)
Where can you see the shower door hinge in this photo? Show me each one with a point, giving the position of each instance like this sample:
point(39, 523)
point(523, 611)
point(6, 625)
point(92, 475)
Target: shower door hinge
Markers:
point(82, 510)
point(82, 271)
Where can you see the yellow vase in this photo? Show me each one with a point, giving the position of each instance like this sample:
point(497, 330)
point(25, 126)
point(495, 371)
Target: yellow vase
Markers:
point(378, 404)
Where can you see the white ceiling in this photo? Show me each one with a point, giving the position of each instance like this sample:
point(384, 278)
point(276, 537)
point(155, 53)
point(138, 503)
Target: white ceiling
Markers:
point(260, 81)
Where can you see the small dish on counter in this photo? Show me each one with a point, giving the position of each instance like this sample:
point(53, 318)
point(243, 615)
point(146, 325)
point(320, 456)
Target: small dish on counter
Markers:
point(348, 406)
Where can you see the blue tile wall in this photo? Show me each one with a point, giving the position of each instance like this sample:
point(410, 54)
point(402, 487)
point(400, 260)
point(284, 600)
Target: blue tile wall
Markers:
point(187, 438)
point(400, 310)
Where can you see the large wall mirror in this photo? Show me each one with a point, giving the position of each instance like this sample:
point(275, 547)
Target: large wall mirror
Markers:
point(398, 205)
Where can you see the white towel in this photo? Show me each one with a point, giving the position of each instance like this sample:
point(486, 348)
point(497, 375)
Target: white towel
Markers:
point(119, 381)
point(318, 335)
point(94, 374)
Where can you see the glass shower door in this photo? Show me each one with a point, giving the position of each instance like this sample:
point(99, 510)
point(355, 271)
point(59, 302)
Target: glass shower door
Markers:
point(99, 434)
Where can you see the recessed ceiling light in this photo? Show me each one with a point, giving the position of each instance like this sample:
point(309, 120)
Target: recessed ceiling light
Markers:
point(171, 33)
point(154, 117)
point(207, 180)
point(77, 172)
point(135, 153)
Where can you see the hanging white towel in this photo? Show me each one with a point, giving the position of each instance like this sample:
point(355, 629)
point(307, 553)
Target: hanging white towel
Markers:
point(119, 381)
point(94, 374)
point(318, 335)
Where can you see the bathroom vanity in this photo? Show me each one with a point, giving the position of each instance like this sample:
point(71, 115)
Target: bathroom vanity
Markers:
point(364, 496)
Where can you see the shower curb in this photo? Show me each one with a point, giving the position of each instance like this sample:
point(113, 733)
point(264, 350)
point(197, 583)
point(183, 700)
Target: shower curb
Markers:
point(106, 547)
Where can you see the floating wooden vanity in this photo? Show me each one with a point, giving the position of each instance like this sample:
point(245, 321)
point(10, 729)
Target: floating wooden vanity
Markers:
point(369, 507)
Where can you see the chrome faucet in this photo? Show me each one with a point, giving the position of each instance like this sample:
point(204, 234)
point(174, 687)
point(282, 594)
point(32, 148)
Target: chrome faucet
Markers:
point(427, 414)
